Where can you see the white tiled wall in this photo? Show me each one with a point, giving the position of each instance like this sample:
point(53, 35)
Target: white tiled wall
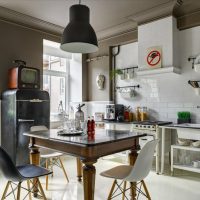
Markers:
point(91, 107)
point(166, 94)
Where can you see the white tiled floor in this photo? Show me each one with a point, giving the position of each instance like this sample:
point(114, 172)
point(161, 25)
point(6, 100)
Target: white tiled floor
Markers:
point(183, 186)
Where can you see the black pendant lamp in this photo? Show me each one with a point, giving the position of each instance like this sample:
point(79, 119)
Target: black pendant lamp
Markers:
point(79, 36)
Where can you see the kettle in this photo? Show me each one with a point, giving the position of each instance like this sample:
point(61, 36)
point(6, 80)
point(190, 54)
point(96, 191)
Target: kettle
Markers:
point(79, 116)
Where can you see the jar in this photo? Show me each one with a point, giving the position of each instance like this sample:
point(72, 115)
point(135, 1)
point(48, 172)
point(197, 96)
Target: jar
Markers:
point(137, 114)
point(143, 114)
point(126, 116)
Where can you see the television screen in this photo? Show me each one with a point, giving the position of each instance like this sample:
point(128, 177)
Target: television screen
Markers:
point(29, 76)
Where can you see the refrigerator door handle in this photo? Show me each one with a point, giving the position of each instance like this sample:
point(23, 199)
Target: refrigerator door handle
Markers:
point(26, 120)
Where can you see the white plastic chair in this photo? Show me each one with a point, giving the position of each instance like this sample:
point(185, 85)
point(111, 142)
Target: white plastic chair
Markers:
point(52, 158)
point(133, 174)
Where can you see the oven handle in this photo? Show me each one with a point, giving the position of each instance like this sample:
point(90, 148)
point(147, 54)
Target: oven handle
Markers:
point(26, 120)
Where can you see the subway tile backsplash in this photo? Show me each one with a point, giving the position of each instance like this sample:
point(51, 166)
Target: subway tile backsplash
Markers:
point(165, 94)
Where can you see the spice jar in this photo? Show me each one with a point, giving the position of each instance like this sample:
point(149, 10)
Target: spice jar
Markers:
point(143, 114)
point(137, 114)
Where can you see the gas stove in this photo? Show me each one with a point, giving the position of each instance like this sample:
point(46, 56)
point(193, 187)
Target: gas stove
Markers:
point(148, 125)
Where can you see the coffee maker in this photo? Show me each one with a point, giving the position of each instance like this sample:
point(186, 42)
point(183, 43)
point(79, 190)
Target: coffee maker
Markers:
point(119, 112)
point(110, 112)
point(115, 112)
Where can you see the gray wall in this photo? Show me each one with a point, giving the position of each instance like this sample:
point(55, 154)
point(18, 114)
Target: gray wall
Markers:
point(17, 42)
point(103, 66)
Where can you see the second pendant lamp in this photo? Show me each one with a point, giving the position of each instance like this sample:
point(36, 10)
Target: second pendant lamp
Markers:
point(79, 36)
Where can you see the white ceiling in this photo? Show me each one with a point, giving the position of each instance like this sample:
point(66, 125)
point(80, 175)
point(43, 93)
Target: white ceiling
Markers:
point(104, 14)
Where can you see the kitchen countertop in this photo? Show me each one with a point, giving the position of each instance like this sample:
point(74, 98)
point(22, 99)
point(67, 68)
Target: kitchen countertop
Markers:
point(118, 122)
point(185, 125)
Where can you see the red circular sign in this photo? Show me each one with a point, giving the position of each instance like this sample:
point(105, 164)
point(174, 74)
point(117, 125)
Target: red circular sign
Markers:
point(153, 58)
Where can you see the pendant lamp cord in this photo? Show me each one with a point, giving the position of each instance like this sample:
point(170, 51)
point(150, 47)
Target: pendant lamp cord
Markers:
point(79, 1)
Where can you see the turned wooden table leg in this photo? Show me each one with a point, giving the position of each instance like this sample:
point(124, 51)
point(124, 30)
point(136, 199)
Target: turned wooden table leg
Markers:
point(34, 159)
point(89, 172)
point(132, 158)
point(79, 169)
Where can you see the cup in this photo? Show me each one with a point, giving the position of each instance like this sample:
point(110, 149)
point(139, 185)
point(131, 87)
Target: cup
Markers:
point(130, 74)
point(196, 163)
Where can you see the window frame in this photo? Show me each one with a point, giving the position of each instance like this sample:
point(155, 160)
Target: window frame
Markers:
point(50, 72)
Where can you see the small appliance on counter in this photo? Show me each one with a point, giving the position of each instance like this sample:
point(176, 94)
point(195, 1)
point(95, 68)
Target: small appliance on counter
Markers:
point(110, 112)
point(119, 112)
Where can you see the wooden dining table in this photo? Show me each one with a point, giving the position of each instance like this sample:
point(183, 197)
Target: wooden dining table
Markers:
point(87, 150)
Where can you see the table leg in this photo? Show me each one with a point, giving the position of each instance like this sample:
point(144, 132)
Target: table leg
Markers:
point(163, 151)
point(132, 158)
point(89, 172)
point(34, 159)
point(79, 169)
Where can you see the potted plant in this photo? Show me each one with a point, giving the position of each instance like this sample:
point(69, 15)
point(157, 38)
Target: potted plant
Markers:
point(183, 117)
point(115, 72)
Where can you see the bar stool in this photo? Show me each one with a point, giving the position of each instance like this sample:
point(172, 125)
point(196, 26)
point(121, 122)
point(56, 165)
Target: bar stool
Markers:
point(19, 174)
point(52, 158)
point(133, 174)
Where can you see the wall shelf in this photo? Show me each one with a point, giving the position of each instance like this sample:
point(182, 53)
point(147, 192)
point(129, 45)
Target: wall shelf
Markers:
point(97, 58)
point(164, 70)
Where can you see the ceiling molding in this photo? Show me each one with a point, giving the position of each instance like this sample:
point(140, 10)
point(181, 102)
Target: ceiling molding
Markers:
point(116, 30)
point(154, 13)
point(28, 21)
point(189, 20)
point(130, 23)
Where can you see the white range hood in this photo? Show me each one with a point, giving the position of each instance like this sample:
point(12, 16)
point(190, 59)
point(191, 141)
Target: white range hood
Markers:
point(163, 33)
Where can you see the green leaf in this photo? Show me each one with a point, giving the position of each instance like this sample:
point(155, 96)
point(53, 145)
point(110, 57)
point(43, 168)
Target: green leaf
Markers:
point(115, 72)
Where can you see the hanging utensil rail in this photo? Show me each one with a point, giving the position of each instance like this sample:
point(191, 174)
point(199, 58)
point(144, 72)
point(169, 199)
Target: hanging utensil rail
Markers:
point(130, 86)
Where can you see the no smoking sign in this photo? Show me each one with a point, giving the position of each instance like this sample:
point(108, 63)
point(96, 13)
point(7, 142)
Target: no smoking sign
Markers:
point(154, 57)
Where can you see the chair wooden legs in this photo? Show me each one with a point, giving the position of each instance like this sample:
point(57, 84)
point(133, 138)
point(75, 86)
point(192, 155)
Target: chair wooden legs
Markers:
point(47, 177)
point(62, 166)
point(47, 167)
point(18, 191)
point(29, 188)
point(6, 190)
point(112, 189)
point(41, 190)
point(124, 190)
point(146, 190)
point(133, 190)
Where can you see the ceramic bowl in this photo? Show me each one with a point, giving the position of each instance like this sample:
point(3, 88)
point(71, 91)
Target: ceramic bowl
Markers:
point(196, 144)
point(183, 142)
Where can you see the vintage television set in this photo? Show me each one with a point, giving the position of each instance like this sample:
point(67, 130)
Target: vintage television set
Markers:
point(23, 77)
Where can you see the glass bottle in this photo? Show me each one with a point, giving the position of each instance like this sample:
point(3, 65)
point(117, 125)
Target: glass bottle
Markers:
point(92, 126)
point(89, 127)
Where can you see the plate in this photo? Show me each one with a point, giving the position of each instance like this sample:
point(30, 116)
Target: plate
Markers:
point(71, 133)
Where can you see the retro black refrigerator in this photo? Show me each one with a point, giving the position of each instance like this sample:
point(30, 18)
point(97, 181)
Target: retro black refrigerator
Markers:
point(22, 109)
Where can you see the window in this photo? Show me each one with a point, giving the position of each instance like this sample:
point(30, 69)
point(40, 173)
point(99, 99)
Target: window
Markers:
point(55, 79)
point(56, 66)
